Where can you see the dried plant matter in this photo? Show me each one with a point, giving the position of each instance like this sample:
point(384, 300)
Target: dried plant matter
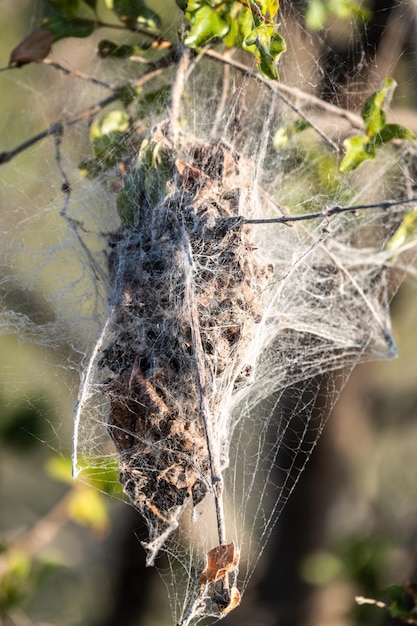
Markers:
point(187, 297)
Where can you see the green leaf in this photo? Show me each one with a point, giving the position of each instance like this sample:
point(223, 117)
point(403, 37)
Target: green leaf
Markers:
point(92, 4)
point(206, 24)
point(66, 7)
point(402, 604)
point(60, 468)
point(395, 131)
point(372, 112)
point(129, 198)
point(319, 12)
point(266, 45)
point(62, 27)
point(357, 149)
point(405, 233)
point(108, 136)
point(90, 168)
point(153, 103)
point(284, 134)
point(88, 508)
point(108, 48)
point(135, 13)
point(15, 580)
point(316, 14)
point(146, 185)
point(268, 8)
point(115, 121)
point(127, 94)
point(240, 25)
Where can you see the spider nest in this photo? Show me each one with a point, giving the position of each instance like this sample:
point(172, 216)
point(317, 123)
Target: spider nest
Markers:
point(187, 295)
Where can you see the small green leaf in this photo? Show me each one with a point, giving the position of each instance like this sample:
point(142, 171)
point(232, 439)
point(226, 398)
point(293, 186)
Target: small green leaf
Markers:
point(90, 168)
point(153, 103)
point(66, 7)
point(269, 8)
point(405, 233)
point(316, 14)
point(284, 134)
point(401, 603)
point(59, 468)
point(62, 27)
point(240, 26)
point(87, 508)
point(319, 12)
point(108, 136)
point(357, 149)
point(395, 131)
point(130, 197)
point(206, 24)
point(108, 48)
point(127, 94)
point(372, 112)
point(115, 121)
point(135, 13)
point(266, 45)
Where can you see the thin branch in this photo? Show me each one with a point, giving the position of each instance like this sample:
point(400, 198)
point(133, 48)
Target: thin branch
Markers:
point(89, 112)
point(382, 605)
point(81, 75)
point(286, 92)
point(327, 212)
point(140, 31)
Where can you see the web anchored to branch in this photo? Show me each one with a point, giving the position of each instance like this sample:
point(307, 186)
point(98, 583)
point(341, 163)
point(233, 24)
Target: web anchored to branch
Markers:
point(247, 276)
point(215, 306)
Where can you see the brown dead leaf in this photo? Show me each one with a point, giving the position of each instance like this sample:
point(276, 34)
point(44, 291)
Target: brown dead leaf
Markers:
point(220, 561)
point(34, 48)
point(233, 603)
point(189, 173)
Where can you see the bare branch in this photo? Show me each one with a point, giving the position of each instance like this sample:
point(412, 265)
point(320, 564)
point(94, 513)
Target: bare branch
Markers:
point(328, 212)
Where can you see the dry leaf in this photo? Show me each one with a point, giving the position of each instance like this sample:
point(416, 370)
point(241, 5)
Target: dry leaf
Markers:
point(233, 603)
point(34, 48)
point(220, 561)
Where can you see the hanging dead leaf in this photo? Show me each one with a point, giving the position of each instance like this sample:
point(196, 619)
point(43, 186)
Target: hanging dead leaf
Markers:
point(33, 49)
point(234, 601)
point(220, 561)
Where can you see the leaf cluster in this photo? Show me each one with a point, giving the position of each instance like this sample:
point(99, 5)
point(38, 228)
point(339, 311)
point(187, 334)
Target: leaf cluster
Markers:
point(247, 25)
point(378, 132)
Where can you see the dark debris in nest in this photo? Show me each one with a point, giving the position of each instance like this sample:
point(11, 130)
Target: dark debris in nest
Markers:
point(187, 295)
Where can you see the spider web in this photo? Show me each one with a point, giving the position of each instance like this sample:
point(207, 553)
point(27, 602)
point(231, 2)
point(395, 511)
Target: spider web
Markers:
point(242, 334)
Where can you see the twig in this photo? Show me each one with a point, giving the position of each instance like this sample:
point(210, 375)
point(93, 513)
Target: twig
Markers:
point(177, 90)
point(138, 30)
point(381, 605)
point(285, 91)
point(81, 75)
point(85, 114)
point(43, 532)
point(328, 212)
point(361, 600)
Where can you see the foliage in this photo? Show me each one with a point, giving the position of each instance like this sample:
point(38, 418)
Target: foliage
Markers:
point(249, 26)
point(377, 131)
